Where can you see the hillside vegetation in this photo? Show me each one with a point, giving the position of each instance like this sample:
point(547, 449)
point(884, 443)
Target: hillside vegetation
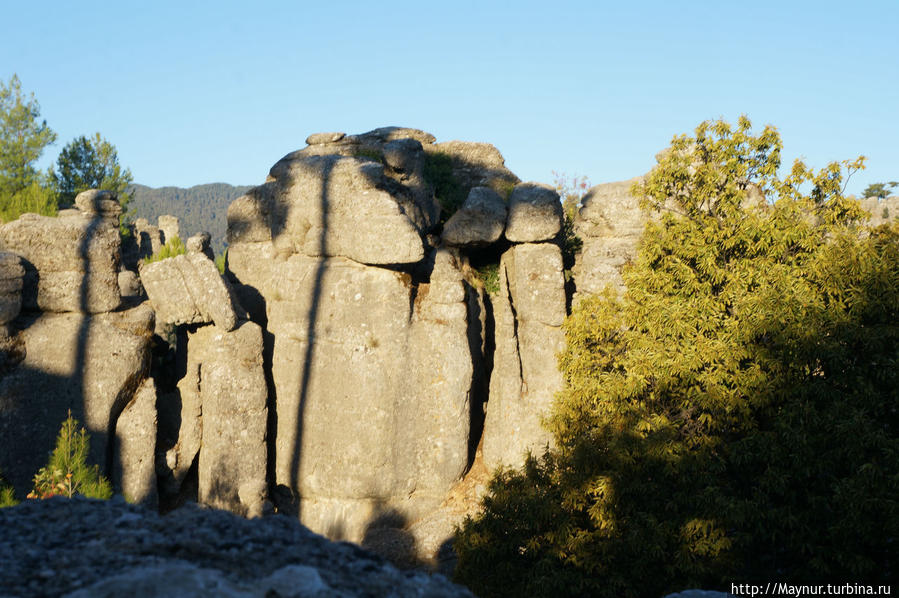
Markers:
point(198, 208)
point(732, 418)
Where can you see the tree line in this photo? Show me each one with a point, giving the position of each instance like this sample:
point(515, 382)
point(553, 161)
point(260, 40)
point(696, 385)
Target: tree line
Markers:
point(86, 162)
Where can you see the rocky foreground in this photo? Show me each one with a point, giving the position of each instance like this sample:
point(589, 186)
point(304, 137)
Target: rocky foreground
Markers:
point(83, 548)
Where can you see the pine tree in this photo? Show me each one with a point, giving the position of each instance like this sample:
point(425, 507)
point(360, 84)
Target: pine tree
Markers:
point(67, 473)
point(732, 417)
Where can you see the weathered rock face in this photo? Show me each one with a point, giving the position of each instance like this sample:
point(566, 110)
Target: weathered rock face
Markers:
point(476, 165)
point(372, 389)
point(11, 276)
point(327, 206)
point(529, 311)
point(535, 213)
point(479, 222)
point(188, 289)
point(169, 227)
point(882, 210)
point(190, 553)
point(134, 471)
point(91, 365)
point(71, 263)
point(96, 203)
point(610, 224)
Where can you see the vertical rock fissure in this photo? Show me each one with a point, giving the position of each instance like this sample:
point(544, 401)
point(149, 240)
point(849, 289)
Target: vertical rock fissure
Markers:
point(508, 290)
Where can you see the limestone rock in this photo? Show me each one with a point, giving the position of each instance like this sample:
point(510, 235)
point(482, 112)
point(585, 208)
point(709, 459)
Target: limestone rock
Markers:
point(476, 165)
point(529, 311)
point(101, 204)
point(479, 222)
point(91, 365)
point(610, 224)
point(135, 471)
point(372, 388)
point(129, 284)
point(11, 276)
point(169, 227)
point(225, 370)
point(113, 549)
point(327, 206)
point(200, 243)
point(188, 289)
point(320, 138)
point(535, 213)
point(71, 264)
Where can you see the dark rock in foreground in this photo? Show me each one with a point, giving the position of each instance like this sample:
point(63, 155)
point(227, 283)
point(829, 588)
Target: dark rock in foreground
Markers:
point(81, 547)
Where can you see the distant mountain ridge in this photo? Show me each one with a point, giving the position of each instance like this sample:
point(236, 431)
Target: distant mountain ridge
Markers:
point(198, 208)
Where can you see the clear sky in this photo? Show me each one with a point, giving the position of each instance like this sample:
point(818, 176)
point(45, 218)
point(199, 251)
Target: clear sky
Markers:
point(195, 92)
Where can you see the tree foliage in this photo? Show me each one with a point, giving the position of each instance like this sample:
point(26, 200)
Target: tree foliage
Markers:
point(731, 417)
point(67, 473)
point(23, 138)
point(7, 496)
point(90, 163)
point(879, 190)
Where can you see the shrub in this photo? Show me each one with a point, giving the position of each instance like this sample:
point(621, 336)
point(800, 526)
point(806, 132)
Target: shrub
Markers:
point(7, 496)
point(173, 247)
point(221, 260)
point(34, 199)
point(438, 172)
point(732, 417)
point(67, 473)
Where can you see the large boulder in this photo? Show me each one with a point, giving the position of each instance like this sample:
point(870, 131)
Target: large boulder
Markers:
point(101, 204)
point(372, 377)
point(84, 548)
point(610, 224)
point(535, 213)
point(134, 473)
point(226, 378)
point(89, 365)
point(528, 310)
point(12, 274)
point(71, 263)
point(479, 222)
point(474, 164)
point(327, 206)
point(188, 289)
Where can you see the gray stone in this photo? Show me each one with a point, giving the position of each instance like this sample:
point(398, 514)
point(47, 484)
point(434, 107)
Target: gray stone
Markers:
point(528, 311)
point(199, 243)
point(327, 206)
point(129, 284)
point(402, 154)
point(610, 224)
point(320, 138)
point(12, 275)
point(479, 222)
point(148, 238)
point(188, 289)
point(476, 165)
point(101, 204)
point(535, 213)
point(169, 227)
point(372, 388)
point(111, 548)
point(91, 365)
point(225, 372)
point(71, 264)
point(135, 471)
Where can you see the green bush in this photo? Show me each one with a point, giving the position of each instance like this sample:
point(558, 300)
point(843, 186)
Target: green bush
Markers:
point(221, 260)
point(35, 199)
point(172, 247)
point(732, 417)
point(67, 473)
point(438, 172)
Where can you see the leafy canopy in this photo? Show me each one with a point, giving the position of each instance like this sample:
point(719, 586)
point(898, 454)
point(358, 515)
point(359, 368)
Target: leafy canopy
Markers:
point(23, 138)
point(90, 163)
point(732, 416)
point(879, 190)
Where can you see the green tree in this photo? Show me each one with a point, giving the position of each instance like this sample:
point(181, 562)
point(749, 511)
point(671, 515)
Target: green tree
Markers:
point(7, 497)
point(90, 163)
point(67, 473)
point(879, 190)
point(23, 138)
point(731, 417)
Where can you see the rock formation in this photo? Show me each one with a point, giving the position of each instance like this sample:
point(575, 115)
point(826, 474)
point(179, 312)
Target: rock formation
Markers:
point(84, 548)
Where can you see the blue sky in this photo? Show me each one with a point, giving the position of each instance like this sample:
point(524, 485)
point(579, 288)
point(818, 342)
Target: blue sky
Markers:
point(198, 92)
